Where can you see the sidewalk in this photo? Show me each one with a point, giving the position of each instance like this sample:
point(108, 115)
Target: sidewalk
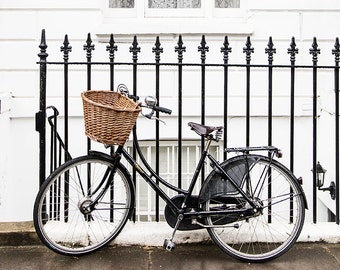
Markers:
point(302, 256)
point(138, 247)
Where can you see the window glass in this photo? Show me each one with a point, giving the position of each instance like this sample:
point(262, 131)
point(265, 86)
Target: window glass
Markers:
point(227, 3)
point(174, 3)
point(121, 3)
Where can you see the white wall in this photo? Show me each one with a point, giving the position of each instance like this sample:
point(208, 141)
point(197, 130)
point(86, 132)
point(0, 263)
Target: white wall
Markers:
point(21, 24)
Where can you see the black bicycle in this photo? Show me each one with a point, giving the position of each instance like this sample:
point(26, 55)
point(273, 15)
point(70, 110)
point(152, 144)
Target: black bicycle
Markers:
point(252, 206)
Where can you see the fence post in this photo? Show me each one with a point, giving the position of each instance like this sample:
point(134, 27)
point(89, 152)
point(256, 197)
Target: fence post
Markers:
point(248, 50)
point(270, 50)
point(66, 48)
point(292, 51)
point(157, 50)
point(134, 49)
point(40, 116)
point(314, 51)
point(88, 47)
point(111, 48)
point(336, 52)
point(180, 49)
point(225, 50)
point(203, 49)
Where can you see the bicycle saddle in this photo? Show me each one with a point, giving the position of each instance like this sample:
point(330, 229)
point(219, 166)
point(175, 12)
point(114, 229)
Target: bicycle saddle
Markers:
point(203, 130)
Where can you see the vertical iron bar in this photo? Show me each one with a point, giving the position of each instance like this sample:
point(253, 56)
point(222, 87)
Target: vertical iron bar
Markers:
point(41, 116)
point(88, 47)
point(336, 52)
point(314, 51)
point(66, 48)
point(270, 50)
point(180, 49)
point(134, 49)
point(248, 50)
point(225, 50)
point(111, 48)
point(203, 48)
point(292, 51)
point(157, 50)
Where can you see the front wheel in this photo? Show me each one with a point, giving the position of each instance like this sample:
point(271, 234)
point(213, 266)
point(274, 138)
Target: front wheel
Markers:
point(276, 225)
point(63, 218)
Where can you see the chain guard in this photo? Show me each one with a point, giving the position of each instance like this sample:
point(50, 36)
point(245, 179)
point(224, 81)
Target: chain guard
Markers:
point(186, 224)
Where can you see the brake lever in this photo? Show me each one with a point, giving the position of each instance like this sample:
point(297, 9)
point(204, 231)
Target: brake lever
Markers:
point(157, 119)
point(151, 117)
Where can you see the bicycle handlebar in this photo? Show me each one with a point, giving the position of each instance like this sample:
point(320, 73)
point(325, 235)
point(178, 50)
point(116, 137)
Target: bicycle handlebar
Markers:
point(152, 102)
point(162, 109)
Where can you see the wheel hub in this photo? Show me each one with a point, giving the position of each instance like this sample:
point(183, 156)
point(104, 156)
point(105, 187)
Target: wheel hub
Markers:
point(84, 205)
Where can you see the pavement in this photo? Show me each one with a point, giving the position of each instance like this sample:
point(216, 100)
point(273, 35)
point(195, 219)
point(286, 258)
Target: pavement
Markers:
point(21, 249)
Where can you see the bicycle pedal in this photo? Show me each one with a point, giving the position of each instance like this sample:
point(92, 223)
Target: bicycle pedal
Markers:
point(169, 245)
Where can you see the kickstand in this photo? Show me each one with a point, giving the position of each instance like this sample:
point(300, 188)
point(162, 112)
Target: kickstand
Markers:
point(169, 245)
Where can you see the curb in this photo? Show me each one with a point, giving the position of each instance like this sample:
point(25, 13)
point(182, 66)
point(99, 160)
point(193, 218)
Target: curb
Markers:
point(154, 233)
point(18, 234)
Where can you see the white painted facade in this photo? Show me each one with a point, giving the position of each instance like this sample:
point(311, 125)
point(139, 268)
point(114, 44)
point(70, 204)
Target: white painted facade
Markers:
point(21, 23)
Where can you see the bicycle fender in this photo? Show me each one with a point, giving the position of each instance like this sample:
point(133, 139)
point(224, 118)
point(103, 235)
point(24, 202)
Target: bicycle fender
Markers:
point(236, 167)
point(215, 184)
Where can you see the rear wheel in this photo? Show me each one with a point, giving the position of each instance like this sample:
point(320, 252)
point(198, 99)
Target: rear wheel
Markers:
point(62, 216)
point(274, 228)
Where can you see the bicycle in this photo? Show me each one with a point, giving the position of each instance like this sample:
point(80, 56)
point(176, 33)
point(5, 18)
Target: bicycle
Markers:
point(252, 206)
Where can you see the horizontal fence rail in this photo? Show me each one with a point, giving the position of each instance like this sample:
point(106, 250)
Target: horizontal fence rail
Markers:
point(57, 152)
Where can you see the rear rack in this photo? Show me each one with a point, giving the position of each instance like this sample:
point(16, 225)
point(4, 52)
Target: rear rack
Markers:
point(244, 150)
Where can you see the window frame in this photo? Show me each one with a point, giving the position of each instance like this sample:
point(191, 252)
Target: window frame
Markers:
point(142, 20)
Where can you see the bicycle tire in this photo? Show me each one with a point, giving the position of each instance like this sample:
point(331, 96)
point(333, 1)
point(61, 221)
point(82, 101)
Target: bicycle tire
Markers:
point(272, 232)
point(59, 217)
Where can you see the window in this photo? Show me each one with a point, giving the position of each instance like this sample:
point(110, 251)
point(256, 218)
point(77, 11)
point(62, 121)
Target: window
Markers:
point(191, 152)
point(174, 3)
point(161, 17)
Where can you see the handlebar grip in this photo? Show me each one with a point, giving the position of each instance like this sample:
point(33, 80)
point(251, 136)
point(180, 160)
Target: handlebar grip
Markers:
point(162, 109)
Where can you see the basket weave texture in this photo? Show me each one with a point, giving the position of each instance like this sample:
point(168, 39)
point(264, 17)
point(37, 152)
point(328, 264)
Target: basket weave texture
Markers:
point(109, 116)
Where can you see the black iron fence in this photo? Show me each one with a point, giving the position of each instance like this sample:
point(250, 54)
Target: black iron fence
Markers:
point(59, 144)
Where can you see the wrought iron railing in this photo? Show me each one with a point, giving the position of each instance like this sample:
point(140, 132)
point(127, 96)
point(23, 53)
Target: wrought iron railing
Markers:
point(178, 66)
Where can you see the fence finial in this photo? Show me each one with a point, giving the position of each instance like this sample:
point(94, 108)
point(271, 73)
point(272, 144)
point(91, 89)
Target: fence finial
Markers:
point(66, 48)
point(180, 49)
point(157, 49)
point(112, 48)
point(314, 51)
point(292, 50)
point(43, 47)
point(226, 50)
point(134, 49)
point(203, 48)
point(270, 50)
point(88, 47)
point(248, 49)
point(336, 50)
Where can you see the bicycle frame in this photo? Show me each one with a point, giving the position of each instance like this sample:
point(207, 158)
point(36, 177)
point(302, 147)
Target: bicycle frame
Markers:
point(187, 193)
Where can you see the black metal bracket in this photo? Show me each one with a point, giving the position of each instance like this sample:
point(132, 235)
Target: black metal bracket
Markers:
point(331, 189)
point(39, 120)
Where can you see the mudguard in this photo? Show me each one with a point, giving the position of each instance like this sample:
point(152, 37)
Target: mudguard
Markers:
point(215, 185)
point(237, 167)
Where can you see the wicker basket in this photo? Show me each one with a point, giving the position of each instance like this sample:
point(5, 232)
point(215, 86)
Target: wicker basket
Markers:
point(109, 116)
